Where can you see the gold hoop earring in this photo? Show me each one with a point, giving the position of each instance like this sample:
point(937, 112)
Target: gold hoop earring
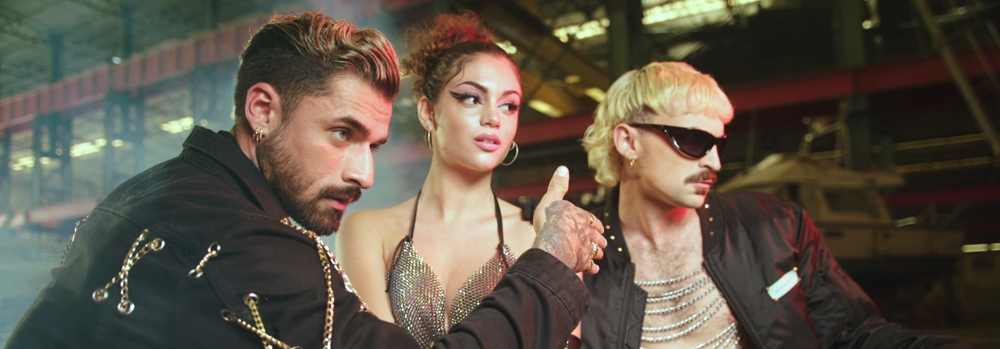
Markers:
point(258, 136)
point(513, 146)
point(430, 142)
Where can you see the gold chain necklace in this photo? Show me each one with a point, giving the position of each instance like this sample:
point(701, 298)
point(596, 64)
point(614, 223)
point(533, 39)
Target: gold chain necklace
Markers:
point(329, 263)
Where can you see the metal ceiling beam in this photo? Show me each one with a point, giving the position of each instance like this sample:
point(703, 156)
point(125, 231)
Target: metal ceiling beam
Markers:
point(23, 71)
point(10, 86)
point(527, 32)
point(627, 43)
point(961, 80)
point(101, 6)
point(17, 76)
point(16, 28)
point(166, 23)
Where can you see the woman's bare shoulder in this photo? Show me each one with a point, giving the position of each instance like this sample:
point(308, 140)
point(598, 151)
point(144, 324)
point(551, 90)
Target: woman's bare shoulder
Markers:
point(381, 223)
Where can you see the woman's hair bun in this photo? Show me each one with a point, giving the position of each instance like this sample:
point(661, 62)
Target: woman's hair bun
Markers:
point(429, 40)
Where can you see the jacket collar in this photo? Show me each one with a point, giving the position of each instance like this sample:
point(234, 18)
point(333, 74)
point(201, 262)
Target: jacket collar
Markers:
point(710, 214)
point(222, 150)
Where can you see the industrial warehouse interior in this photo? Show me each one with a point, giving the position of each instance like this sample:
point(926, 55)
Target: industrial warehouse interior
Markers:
point(878, 117)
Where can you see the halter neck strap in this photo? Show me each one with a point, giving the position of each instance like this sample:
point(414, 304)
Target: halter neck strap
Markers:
point(496, 208)
point(413, 223)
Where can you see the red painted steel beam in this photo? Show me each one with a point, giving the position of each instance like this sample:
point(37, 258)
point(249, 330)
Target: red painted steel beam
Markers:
point(947, 196)
point(527, 134)
point(143, 70)
point(224, 45)
point(165, 63)
point(866, 80)
point(577, 184)
point(870, 79)
point(553, 129)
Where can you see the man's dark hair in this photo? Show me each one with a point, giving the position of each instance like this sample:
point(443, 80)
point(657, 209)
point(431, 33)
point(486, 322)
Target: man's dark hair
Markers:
point(298, 55)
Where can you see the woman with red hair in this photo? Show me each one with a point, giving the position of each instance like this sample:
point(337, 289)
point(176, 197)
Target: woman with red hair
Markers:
point(438, 254)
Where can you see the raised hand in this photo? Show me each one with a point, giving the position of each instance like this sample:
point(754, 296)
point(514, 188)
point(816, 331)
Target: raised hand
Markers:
point(568, 232)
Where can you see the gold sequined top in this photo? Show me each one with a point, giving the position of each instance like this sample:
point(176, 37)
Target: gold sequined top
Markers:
point(417, 298)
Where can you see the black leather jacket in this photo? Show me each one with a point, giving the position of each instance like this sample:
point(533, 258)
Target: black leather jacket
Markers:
point(750, 240)
point(212, 193)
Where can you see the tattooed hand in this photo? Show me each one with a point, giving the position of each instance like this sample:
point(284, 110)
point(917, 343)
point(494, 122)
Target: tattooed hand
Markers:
point(566, 231)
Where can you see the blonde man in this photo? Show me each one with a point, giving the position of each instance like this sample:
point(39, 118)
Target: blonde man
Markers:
point(691, 269)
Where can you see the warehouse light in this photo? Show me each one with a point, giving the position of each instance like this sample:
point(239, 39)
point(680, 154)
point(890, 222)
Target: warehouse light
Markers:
point(22, 163)
point(76, 150)
point(545, 108)
point(595, 93)
point(652, 15)
point(975, 248)
point(582, 31)
point(686, 8)
point(178, 125)
point(85, 148)
point(995, 246)
point(507, 46)
point(682, 50)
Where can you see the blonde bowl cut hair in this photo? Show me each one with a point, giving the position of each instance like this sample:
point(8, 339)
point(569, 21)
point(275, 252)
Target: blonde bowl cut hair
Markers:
point(659, 88)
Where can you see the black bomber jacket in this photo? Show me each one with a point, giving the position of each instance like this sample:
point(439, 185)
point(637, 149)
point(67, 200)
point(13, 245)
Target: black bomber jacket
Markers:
point(212, 197)
point(750, 241)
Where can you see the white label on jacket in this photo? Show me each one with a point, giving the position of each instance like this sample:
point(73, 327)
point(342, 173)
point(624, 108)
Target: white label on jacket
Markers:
point(783, 285)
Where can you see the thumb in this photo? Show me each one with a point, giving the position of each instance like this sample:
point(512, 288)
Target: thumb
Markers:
point(558, 186)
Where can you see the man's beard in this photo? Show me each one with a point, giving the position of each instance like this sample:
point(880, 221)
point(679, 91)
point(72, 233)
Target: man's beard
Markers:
point(285, 179)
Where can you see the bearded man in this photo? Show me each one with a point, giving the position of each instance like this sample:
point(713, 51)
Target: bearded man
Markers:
point(221, 247)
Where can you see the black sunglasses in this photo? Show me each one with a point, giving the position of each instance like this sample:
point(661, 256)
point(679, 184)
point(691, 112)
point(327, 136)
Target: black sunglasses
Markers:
point(692, 142)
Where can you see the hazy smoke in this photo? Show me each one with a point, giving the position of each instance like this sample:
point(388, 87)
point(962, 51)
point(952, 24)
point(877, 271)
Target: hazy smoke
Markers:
point(27, 257)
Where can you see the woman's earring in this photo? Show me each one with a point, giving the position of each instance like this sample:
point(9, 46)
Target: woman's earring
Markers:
point(427, 138)
point(513, 146)
point(631, 161)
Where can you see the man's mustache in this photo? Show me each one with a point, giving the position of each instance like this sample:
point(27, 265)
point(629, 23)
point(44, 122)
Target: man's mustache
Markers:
point(347, 193)
point(703, 176)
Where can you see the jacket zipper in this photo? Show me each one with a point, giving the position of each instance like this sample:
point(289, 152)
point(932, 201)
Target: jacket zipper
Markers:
point(734, 303)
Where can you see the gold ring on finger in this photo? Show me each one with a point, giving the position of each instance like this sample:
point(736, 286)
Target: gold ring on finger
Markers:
point(594, 253)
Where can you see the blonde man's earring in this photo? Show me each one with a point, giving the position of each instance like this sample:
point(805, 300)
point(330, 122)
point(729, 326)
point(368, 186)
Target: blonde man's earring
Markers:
point(513, 146)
